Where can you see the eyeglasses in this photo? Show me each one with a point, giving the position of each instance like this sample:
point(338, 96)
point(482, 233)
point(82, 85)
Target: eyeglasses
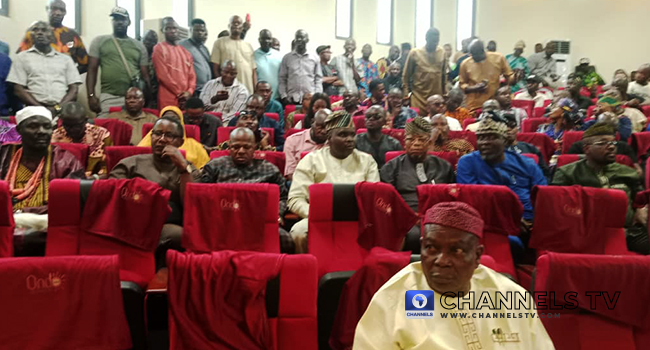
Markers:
point(164, 135)
point(604, 143)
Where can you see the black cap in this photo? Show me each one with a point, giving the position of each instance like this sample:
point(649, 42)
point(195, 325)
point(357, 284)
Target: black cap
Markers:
point(322, 48)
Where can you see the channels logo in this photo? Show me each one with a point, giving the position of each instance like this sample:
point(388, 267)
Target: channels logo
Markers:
point(419, 304)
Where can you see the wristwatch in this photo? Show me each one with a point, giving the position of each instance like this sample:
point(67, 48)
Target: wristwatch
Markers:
point(57, 108)
point(188, 169)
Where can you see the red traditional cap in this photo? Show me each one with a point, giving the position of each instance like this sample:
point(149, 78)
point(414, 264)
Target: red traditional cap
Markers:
point(458, 215)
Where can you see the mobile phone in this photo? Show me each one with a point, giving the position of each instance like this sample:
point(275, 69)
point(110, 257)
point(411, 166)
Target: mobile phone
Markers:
point(248, 17)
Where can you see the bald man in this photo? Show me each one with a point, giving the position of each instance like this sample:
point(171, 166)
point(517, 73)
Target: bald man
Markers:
point(234, 48)
point(424, 71)
point(436, 105)
point(268, 62)
point(225, 94)
point(67, 40)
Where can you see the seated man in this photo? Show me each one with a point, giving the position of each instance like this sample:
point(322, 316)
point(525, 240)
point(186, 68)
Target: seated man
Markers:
point(76, 129)
point(451, 253)
point(248, 119)
point(493, 164)
point(611, 102)
point(398, 114)
point(374, 142)
point(256, 103)
point(302, 109)
point(454, 110)
point(574, 85)
point(305, 141)
point(225, 94)
point(442, 142)
point(208, 123)
point(520, 147)
point(265, 89)
point(167, 167)
point(377, 94)
point(416, 167)
point(599, 169)
point(488, 107)
point(531, 93)
point(133, 114)
point(504, 98)
point(29, 167)
point(339, 162)
point(435, 106)
point(241, 167)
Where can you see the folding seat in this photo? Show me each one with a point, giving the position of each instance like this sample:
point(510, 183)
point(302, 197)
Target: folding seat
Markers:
point(451, 157)
point(527, 105)
point(79, 150)
point(242, 300)
point(116, 153)
point(467, 122)
point(223, 134)
point(71, 302)
point(191, 131)
point(646, 110)
point(543, 142)
point(359, 122)
point(341, 235)
point(531, 124)
point(570, 137)
point(276, 158)
point(120, 131)
point(7, 224)
point(538, 112)
point(273, 116)
point(216, 114)
point(298, 118)
point(499, 207)
point(640, 141)
point(231, 216)
point(288, 109)
point(466, 135)
point(594, 281)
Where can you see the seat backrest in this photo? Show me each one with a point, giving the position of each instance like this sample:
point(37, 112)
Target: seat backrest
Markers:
point(499, 207)
point(288, 109)
point(359, 122)
point(298, 118)
point(78, 149)
point(467, 122)
point(71, 302)
point(538, 112)
point(115, 109)
point(116, 153)
point(223, 134)
point(576, 219)
point(234, 227)
point(273, 116)
point(641, 143)
point(7, 224)
point(569, 138)
point(564, 159)
point(451, 157)
point(291, 132)
point(216, 114)
point(590, 111)
point(531, 124)
point(543, 142)
point(120, 131)
point(527, 105)
point(466, 135)
point(646, 110)
point(153, 111)
point(191, 131)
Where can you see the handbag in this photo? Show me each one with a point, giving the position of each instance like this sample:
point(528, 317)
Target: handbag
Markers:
point(136, 81)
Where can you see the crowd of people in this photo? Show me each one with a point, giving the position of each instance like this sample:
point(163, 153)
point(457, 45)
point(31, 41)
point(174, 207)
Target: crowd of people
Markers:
point(313, 103)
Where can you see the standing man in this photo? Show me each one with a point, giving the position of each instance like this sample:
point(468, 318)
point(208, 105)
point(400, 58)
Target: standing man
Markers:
point(367, 69)
point(480, 74)
point(234, 48)
point(43, 76)
point(345, 66)
point(423, 74)
point(492, 46)
point(543, 65)
point(174, 67)
point(519, 66)
point(406, 50)
point(268, 62)
point(150, 40)
point(384, 63)
point(300, 72)
point(200, 54)
point(66, 40)
point(331, 81)
point(118, 74)
point(225, 94)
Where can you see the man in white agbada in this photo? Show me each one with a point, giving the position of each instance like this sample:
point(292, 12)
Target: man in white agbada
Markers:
point(450, 264)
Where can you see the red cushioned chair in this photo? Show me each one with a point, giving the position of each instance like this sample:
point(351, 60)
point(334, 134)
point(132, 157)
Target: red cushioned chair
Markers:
point(216, 114)
point(71, 302)
point(116, 153)
point(191, 131)
point(7, 224)
point(288, 109)
point(223, 134)
point(79, 150)
point(291, 132)
point(273, 116)
point(569, 138)
point(201, 232)
point(624, 325)
point(115, 109)
point(527, 105)
point(467, 122)
point(451, 157)
point(66, 236)
point(590, 111)
point(538, 112)
point(276, 158)
point(543, 142)
point(120, 131)
point(531, 156)
point(640, 141)
point(499, 207)
point(564, 159)
point(148, 110)
point(359, 122)
point(417, 110)
point(303, 154)
point(467, 135)
point(646, 110)
point(298, 118)
point(531, 124)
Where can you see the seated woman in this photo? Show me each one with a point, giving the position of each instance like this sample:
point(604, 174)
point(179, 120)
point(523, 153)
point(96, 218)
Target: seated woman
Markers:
point(29, 167)
point(248, 119)
point(167, 167)
point(318, 101)
point(564, 116)
point(194, 151)
point(304, 108)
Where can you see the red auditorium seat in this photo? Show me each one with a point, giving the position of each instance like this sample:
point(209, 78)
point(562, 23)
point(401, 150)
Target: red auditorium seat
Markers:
point(148, 110)
point(334, 224)
point(640, 141)
point(451, 157)
point(538, 112)
point(120, 131)
point(79, 150)
point(71, 302)
point(291, 132)
point(601, 325)
point(467, 122)
point(7, 224)
point(359, 122)
point(590, 111)
point(86, 219)
point(12, 119)
point(233, 227)
point(289, 108)
point(646, 110)
point(216, 114)
point(192, 131)
point(115, 109)
point(198, 308)
point(303, 154)
point(467, 135)
point(543, 142)
point(570, 137)
point(531, 156)
point(116, 153)
point(298, 118)
point(527, 105)
point(564, 159)
point(276, 158)
point(531, 124)
point(417, 110)
point(273, 116)
point(223, 134)
point(499, 207)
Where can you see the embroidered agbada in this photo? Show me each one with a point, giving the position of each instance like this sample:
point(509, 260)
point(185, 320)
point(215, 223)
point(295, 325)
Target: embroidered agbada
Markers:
point(384, 324)
point(174, 67)
point(423, 75)
point(97, 139)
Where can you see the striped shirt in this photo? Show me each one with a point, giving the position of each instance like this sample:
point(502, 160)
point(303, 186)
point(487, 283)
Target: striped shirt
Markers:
point(237, 95)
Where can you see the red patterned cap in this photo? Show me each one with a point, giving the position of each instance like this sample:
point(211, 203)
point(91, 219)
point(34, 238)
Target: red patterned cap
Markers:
point(458, 215)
